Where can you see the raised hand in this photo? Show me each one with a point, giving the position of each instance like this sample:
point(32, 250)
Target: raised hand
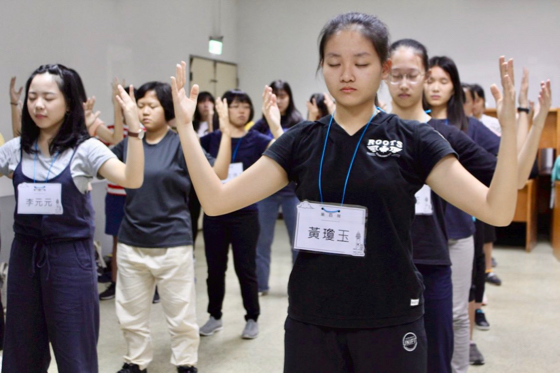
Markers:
point(223, 114)
point(129, 107)
point(331, 106)
point(524, 90)
point(115, 90)
point(312, 110)
point(505, 101)
point(270, 109)
point(545, 100)
point(184, 106)
point(89, 115)
point(15, 95)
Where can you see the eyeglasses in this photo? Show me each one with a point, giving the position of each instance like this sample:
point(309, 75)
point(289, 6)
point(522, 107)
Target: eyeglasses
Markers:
point(412, 77)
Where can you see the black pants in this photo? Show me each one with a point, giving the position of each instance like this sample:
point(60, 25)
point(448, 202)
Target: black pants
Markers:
point(479, 265)
point(194, 209)
point(241, 229)
point(316, 349)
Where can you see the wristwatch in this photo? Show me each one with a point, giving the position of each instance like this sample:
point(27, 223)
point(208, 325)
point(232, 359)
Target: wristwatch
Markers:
point(139, 134)
point(523, 109)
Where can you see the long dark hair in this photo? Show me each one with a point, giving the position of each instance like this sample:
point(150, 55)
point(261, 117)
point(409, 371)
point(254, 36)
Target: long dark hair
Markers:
point(73, 130)
point(292, 116)
point(455, 112)
point(205, 96)
point(320, 102)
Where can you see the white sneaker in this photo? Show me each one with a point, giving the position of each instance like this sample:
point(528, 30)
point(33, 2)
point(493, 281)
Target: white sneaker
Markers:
point(251, 330)
point(212, 326)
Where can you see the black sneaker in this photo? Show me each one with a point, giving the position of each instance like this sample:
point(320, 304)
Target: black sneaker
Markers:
point(156, 297)
point(480, 320)
point(493, 279)
point(109, 293)
point(475, 357)
point(187, 369)
point(131, 368)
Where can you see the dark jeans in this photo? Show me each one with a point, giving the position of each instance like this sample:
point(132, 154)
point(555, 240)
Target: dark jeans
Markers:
point(53, 299)
point(438, 316)
point(479, 265)
point(241, 229)
point(316, 349)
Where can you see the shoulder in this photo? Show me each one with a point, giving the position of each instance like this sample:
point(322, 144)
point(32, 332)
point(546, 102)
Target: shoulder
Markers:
point(13, 144)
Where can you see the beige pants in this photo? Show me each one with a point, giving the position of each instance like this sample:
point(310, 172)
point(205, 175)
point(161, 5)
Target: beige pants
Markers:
point(172, 270)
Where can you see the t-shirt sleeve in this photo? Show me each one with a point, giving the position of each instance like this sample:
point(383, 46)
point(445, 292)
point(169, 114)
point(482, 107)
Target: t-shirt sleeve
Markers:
point(89, 158)
point(282, 150)
point(431, 148)
point(9, 156)
point(480, 163)
point(118, 150)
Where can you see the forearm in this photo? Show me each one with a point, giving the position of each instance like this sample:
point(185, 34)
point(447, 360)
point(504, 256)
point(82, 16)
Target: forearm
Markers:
point(522, 129)
point(528, 153)
point(221, 166)
point(118, 131)
point(134, 169)
point(502, 193)
point(16, 120)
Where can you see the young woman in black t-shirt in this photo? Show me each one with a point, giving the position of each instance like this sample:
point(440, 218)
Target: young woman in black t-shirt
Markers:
point(409, 72)
point(357, 313)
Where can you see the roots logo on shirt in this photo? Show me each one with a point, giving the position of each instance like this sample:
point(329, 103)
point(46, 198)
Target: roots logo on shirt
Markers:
point(410, 342)
point(384, 148)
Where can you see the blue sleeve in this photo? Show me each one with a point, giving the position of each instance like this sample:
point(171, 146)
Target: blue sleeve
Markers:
point(205, 141)
point(483, 136)
point(479, 162)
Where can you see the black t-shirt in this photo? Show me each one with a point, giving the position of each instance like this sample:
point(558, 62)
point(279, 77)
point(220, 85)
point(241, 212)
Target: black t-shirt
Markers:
point(157, 214)
point(395, 157)
point(249, 149)
point(429, 235)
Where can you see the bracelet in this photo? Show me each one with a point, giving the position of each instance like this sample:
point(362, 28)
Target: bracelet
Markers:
point(523, 110)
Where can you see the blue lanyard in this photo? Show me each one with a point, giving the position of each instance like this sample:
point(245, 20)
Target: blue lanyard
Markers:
point(35, 162)
point(236, 149)
point(351, 163)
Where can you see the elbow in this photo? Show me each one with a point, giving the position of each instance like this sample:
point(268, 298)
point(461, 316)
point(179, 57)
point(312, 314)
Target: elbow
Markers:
point(521, 184)
point(136, 183)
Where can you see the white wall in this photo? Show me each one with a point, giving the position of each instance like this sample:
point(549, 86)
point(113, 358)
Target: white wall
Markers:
point(278, 39)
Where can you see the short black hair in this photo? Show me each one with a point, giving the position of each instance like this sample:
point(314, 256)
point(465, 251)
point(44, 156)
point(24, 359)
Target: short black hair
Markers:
point(476, 88)
point(163, 94)
point(320, 101)
point(73, 130)
point(236, 95)
point(419, 49)
point(205, 96)
point(469, 88)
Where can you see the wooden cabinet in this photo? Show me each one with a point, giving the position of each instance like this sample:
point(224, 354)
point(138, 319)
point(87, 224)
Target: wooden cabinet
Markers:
point(529, 197)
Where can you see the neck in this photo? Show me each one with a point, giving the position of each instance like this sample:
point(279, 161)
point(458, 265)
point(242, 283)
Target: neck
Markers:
point(237, 131)
point(46, 137)
point(153, 137)
point(414, 112)
point(478, 116)
point(439, 112)
point(353, 118)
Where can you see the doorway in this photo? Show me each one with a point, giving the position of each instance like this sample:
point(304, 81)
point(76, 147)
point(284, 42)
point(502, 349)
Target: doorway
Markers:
point(213, 76)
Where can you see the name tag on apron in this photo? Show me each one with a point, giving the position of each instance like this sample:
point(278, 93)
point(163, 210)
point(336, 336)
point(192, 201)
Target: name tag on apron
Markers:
point(331, 229)
point(235, 169)
point(424, 201)
point(40, 198)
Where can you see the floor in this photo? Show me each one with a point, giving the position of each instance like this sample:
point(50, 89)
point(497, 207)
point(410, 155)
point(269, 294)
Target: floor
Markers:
point(524, 314)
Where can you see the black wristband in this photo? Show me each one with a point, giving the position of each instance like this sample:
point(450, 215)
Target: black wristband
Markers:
point(523, 109)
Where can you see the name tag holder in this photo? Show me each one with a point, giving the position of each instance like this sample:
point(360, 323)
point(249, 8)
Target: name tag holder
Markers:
point(235, 169)
point(40, 198)
point(331, 229)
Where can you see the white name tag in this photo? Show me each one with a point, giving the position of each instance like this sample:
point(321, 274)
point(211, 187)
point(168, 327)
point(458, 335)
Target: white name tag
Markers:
point(235, 169)
point(424, 201)
point(331, 229)
point(40, 198)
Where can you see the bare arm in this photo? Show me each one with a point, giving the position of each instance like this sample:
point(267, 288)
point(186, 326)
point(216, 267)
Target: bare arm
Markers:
point(117, 134)
point(223, 159)
point(16, 107)
point(259, 181)
point(131, 174)
point(494, 205)
point(529, 148)
point(522, 117)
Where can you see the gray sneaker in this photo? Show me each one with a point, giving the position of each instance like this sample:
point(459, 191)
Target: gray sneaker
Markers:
point(212, 326)
point(475, 357)
point(251, 330)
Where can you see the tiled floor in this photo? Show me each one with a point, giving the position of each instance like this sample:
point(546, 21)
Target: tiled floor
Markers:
point(524, 314)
